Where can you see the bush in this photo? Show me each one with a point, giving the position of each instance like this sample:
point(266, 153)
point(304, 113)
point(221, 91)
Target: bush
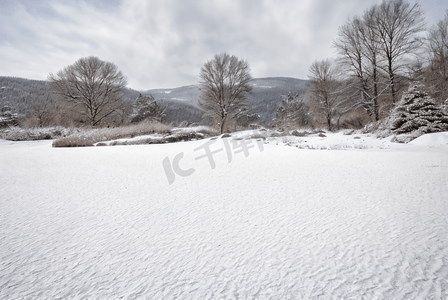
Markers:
point(73, 141)
point(300, 133)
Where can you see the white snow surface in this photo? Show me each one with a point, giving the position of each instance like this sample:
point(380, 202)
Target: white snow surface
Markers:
point(432, 140)
point(280, 223)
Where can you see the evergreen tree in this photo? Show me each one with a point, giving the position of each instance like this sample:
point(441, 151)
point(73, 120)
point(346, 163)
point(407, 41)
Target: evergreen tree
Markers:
point(8, 118)
point(416, 111)
point(292, 112)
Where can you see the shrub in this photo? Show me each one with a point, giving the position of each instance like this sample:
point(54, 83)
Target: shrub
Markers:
point(72, 141)
point(300, 133)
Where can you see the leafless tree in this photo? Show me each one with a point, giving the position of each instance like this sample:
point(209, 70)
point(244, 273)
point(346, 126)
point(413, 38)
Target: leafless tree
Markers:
point(224, 87)
point(436, 76)
point(326, 89)
point(350, 45)
point(397, 25)
point(43, 109)
point(92, 84)
point(374, 47)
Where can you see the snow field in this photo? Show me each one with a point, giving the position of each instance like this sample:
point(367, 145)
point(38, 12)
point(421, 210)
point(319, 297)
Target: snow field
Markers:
point(282, 223)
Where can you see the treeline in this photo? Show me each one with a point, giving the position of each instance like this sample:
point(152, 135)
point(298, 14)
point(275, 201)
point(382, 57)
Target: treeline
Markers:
point(379, 54)
point(32, 105)
point(31, 101)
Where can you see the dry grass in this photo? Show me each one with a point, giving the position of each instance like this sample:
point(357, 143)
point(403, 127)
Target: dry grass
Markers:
point(88, 137)
point(34, 134)
point(73, 141)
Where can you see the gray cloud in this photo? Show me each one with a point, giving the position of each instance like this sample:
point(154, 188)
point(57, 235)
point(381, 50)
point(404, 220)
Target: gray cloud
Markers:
point(164, 43)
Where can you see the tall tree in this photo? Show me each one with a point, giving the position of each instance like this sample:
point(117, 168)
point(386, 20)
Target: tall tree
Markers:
point(92, 84)
point(398, 25)
point(326, 89)
point(224, 87)
point(353, 55)
point(436, 76)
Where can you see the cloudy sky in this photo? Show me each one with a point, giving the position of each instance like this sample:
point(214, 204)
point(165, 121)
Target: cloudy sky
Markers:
point(163, 43)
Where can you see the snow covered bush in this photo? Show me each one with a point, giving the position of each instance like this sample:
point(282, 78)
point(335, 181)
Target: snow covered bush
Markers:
point(8, 118)
point(416, 114)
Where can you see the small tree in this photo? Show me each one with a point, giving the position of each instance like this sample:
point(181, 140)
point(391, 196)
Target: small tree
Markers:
point(416, 111)
point(292, 112)
point(7, 116)
point(92, 84)
point(147, 108)
point(224, 87)
point(45, 108)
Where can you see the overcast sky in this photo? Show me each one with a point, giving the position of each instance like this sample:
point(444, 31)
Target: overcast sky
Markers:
point(163, 43)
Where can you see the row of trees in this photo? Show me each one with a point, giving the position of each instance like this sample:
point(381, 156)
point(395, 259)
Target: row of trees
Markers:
point(90, 91)
point(380, 53)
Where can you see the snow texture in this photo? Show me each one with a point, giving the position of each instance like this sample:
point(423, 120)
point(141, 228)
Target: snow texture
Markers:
point(279, 223)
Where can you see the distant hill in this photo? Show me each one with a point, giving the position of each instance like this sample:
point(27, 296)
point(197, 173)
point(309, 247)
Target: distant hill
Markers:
point(181, 102)
point(266, 94)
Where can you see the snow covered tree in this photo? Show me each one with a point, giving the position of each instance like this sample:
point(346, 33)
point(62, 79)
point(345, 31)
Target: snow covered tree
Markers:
point(7, 117)
point(147, 108)
point(416, 111)
point(224, 85)
point(292, 112)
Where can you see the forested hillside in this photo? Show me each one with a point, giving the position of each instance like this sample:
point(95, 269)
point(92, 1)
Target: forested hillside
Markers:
point(266, 95)
point(23, 95)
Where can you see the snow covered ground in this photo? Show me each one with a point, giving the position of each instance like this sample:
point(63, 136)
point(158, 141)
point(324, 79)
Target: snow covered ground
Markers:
point(260, 221)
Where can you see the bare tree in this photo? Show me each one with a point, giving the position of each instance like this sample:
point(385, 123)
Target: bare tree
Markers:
point(397, 25)
point(375, 47)
point(350, 45)
point(224, 87)
point(43, 109)
point(92, 84)
point(326, 89)
point(436, 76)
